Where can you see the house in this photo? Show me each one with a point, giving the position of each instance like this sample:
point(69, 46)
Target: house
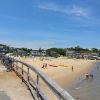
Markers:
point(84, 55)
point(44, 52)
point(34, 52)
point(39, 53)
point(22, 52)
point(94, 56)
point(74, 54)
point(70, 54)
point(3, 49)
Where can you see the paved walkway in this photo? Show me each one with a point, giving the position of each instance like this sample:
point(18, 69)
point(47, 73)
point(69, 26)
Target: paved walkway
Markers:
point(2, 68)
point(11, 87)
point(4, 96)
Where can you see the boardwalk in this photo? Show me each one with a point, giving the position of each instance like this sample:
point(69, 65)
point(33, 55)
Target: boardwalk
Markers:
point(11, 87)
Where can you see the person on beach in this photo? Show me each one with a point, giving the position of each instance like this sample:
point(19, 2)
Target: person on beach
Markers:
point(91, 76)
point(87, 76)
point(44, 65)
point(72, 68)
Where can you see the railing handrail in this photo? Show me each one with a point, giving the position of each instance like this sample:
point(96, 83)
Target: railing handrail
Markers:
point(52, 85)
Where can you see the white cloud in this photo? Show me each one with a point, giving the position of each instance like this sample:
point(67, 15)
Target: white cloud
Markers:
point(70, 10)
point(78, 11)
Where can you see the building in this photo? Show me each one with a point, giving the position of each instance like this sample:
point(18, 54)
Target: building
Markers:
point(74, 54)
point(44, 52)
point(70, 54)
point(39, 53)
point(34, 52)
point(22, 52)
point(3, 49)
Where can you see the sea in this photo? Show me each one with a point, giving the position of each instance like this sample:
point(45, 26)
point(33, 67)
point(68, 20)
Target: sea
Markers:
point(87, 89)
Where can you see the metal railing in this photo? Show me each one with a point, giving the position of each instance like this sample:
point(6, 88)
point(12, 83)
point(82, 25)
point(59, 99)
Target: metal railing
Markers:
point(23, 71)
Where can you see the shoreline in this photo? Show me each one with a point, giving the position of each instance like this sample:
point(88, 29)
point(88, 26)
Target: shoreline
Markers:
point(86, 89)
point(82, 77)
point(76, 76)
point(62, 75)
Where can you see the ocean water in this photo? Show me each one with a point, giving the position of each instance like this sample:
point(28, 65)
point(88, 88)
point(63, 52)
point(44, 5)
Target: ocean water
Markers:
point(87, 89)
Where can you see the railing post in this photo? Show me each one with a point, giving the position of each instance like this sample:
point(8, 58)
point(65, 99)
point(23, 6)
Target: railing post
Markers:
point(28, 74)
point(37, 81)
point(17, 68)
point(22, 72)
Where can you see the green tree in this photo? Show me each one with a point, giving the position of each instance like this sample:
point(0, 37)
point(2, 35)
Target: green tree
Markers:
point(59, 51)
point(94, 50)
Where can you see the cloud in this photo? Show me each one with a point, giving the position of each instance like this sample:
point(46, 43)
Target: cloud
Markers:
point(78, 11)
point(69, 10)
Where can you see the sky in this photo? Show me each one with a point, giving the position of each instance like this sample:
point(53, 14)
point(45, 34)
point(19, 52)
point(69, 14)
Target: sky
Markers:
point(50, 23)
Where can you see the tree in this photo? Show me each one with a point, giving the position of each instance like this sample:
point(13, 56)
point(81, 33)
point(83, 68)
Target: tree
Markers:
point(59, 51)
point(95, 50)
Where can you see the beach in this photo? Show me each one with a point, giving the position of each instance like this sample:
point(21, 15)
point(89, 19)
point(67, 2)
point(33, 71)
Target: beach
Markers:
point(60, 70)
point(88, 89)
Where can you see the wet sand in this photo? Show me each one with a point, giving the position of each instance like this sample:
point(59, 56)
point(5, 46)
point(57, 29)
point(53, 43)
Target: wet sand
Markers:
point(88, 89)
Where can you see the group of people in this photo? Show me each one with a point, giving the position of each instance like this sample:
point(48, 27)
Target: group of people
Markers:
point(44, 65)
point(88, 76)
point(7, 62)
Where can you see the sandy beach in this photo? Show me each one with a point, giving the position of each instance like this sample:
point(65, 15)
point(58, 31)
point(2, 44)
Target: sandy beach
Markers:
point(60, 69)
